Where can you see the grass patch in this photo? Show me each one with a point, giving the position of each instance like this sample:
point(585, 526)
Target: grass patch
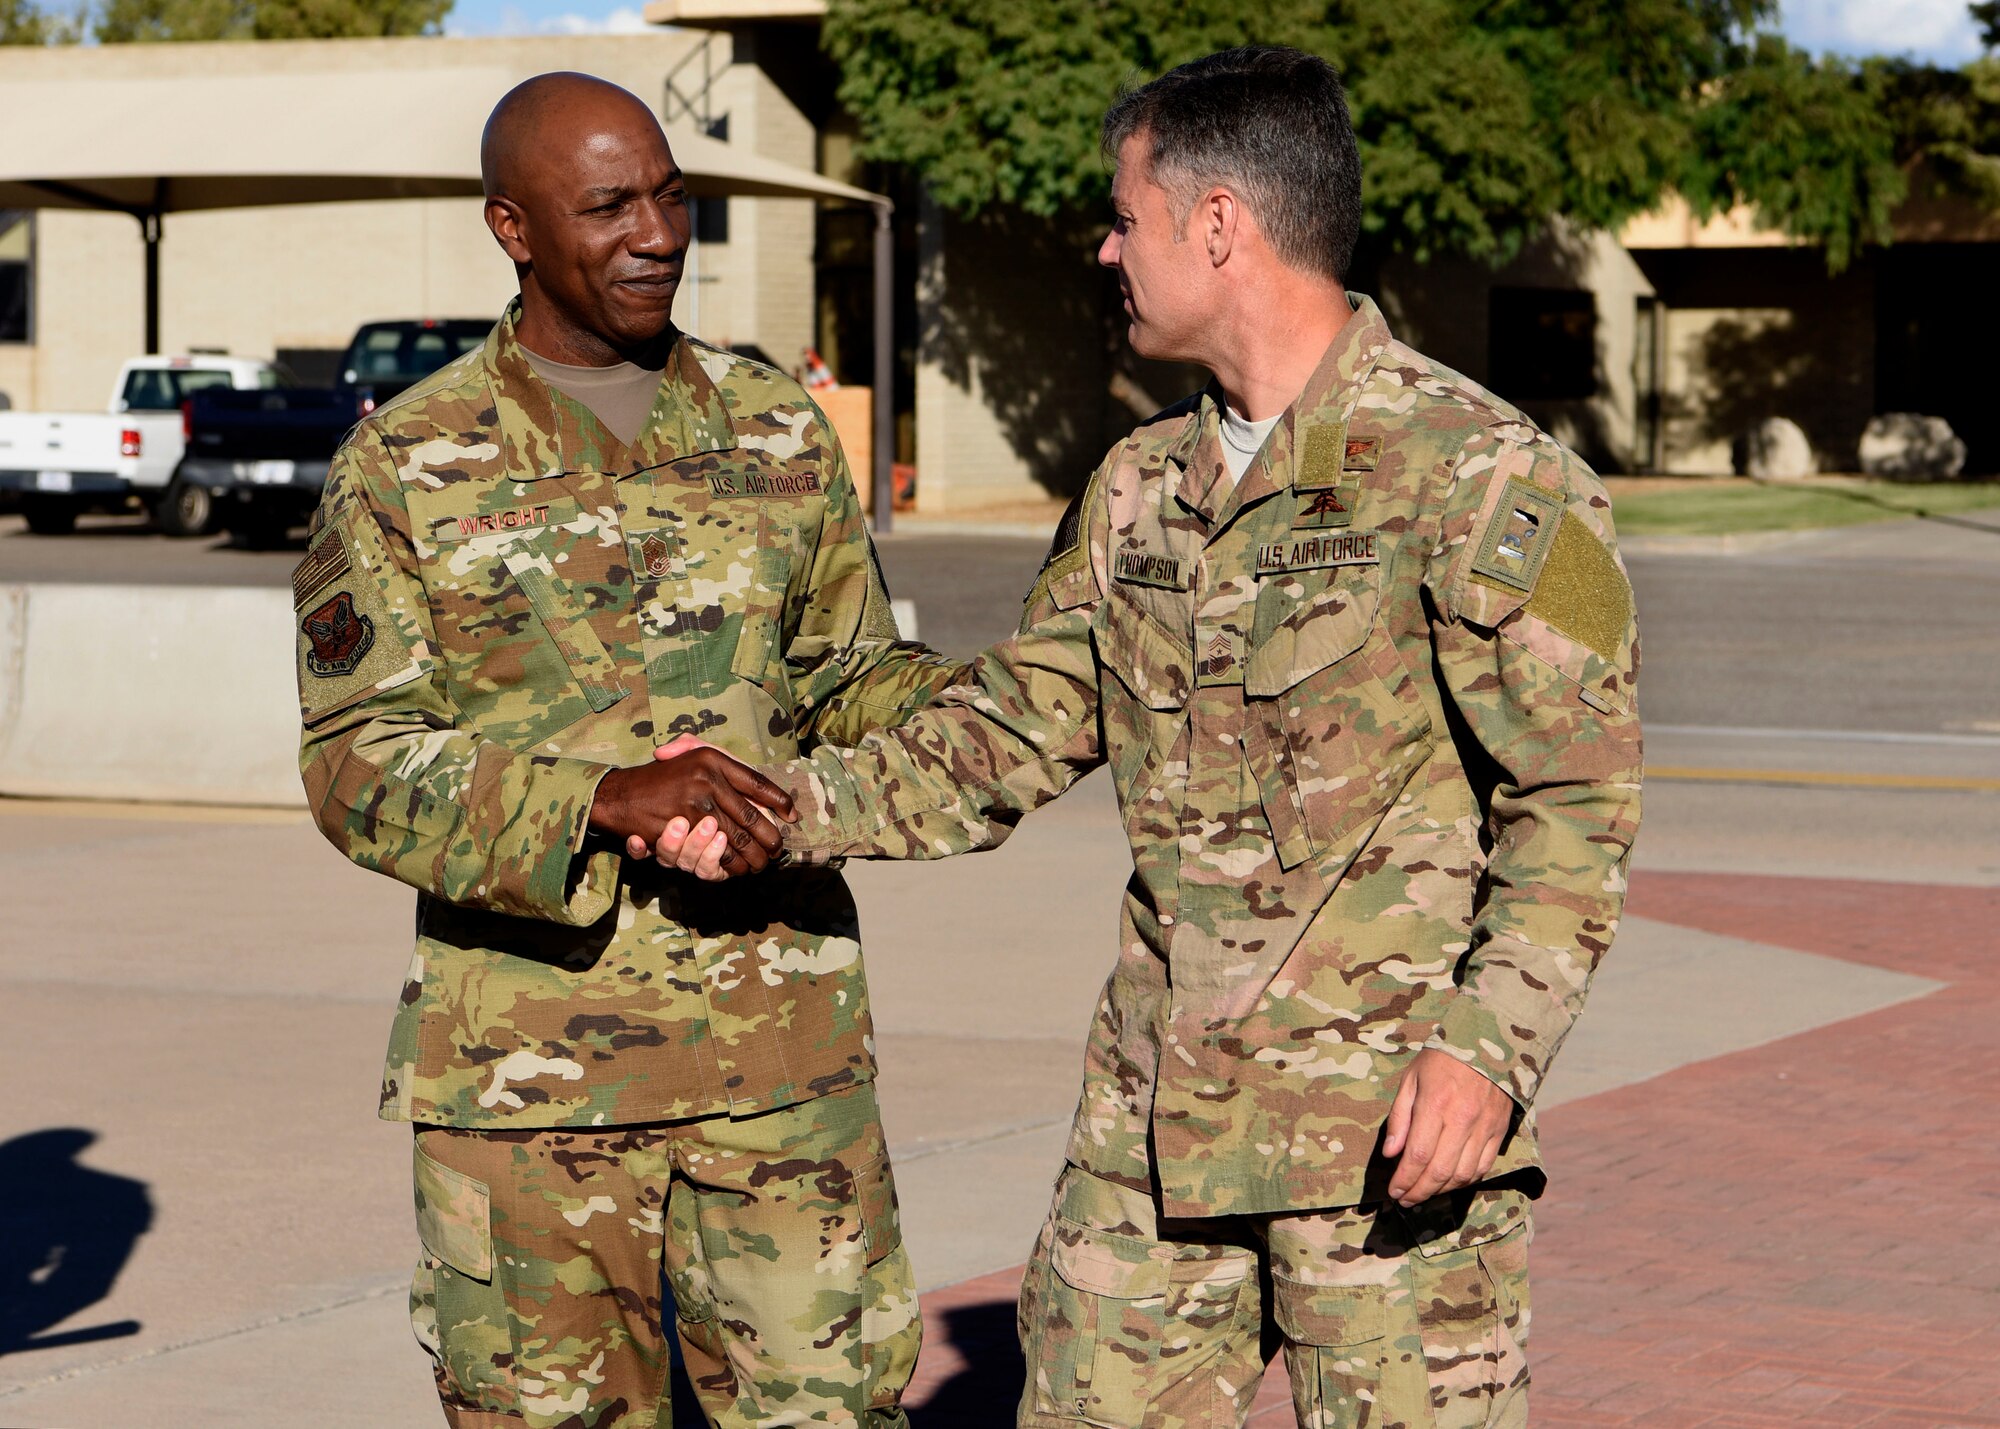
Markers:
point(1645, 507)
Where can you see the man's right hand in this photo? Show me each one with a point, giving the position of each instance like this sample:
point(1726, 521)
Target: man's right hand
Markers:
point(636, 805)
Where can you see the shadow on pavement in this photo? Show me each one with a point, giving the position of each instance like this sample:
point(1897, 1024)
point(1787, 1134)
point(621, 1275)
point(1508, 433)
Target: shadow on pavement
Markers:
point(66, 1230)
point(984, 1394)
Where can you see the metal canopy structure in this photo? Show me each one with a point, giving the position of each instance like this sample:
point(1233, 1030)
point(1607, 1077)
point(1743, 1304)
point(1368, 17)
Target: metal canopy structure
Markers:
point(151, 147)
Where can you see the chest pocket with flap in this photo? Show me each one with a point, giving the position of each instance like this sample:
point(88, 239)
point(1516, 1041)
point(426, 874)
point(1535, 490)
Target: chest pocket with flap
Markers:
point(759, 653)
point(513, 580)
point(1334, 730)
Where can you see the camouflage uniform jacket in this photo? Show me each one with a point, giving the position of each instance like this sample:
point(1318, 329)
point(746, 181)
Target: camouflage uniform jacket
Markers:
point(501, 603)
point(1369, 712)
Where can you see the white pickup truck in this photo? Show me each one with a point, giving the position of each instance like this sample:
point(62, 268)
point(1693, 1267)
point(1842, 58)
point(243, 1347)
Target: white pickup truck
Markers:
point(65, 463)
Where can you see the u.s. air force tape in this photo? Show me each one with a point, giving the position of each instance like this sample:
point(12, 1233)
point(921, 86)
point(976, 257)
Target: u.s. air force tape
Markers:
point(1312, 552)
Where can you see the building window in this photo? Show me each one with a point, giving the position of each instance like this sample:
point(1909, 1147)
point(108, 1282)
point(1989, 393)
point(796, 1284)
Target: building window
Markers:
point(17, 276)
point(711, 219)
point(1543, 344)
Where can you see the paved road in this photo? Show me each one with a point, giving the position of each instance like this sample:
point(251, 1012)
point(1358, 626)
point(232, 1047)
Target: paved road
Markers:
point(205, 992)
point(1887, 627)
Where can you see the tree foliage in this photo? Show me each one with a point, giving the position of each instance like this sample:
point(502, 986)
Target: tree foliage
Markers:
point(128, 21)
point(22, 22)
point(1479, 120)
point(114, 22)
point(1986, 14)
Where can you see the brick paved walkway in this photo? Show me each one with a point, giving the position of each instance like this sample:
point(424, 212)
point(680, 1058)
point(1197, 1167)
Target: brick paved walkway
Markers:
point(1807, 1232)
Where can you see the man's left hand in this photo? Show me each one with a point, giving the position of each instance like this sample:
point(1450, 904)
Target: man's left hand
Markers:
point(1445, 1129)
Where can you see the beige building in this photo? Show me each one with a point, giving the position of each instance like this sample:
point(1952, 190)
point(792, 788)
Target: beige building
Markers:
point(295, 281)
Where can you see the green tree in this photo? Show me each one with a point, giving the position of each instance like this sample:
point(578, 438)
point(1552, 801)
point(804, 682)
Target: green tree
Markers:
point(127, 21)
point(1987, 14)
point(119, 22)
point(1805, 143)
point(22, 22)
point(1946, 124)
point(330, 19)
point(1479, 120)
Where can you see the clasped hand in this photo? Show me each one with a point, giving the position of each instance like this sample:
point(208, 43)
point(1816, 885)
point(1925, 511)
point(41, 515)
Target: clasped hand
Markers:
point(696, 809)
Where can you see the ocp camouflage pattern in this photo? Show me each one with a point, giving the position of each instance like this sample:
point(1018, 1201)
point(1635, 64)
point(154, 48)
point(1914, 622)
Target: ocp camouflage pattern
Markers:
point(558, 1265)
point(1392, 1318)
point(1370, 716)
point(538, 605)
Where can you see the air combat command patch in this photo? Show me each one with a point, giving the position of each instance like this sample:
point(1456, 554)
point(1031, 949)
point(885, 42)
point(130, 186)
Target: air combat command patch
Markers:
point(339, 637)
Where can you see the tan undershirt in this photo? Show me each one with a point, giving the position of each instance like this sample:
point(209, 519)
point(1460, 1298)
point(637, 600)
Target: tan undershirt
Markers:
point(620, 396)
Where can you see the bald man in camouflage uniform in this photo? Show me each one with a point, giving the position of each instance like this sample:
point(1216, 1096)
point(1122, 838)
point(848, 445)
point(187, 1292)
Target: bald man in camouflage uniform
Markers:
point(615, 1069)
point(1368, 705)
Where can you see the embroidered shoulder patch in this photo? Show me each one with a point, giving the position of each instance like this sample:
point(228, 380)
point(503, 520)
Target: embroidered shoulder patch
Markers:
point(338, 636)
point(1518, 537)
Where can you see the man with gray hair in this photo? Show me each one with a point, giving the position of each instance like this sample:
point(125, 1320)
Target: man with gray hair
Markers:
point(1354, 638)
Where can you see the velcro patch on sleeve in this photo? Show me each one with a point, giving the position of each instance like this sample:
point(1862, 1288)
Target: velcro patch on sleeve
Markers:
point(348, 643)
point(1069, 551)
point(325, 562)
point(1581, 591)
point(1518, 537)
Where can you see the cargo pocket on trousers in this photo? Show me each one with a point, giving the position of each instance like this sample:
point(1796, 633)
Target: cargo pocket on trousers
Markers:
point(1104, 1312)
point(1339, 1334)
point(458, 1301)
point(1471, 1294)
point(891, 1332)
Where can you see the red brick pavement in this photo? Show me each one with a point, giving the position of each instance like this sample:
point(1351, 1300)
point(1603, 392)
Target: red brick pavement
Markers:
point(1803, 1233)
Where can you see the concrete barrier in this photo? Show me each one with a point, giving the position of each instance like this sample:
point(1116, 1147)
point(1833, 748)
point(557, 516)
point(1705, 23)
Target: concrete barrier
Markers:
point(177, 694)
point(166, 693)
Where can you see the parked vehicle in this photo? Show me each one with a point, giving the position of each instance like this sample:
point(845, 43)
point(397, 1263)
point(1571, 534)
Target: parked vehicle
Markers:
point(65, 463)
point(263, 456)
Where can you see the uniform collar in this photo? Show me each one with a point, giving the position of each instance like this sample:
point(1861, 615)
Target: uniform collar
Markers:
point(1330, 395)
point(547, 434)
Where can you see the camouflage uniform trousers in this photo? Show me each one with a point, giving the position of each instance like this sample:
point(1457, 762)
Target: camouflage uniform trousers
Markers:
point(539, 1291)
point(1390, 1319)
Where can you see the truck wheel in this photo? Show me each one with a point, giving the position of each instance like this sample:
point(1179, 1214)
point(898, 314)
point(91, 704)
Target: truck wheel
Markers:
point(49, 515)
point(185, 509)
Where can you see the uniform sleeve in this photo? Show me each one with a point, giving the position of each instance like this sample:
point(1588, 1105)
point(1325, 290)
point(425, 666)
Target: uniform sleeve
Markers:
point(393, 779)
point(1538, 652)
point(1016, 731)
point(850, 670)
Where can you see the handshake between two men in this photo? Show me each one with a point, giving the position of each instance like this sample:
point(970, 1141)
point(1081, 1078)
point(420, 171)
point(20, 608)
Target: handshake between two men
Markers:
point(696, 809)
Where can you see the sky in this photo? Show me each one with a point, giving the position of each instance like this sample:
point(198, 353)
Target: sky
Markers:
point(1937, 30)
